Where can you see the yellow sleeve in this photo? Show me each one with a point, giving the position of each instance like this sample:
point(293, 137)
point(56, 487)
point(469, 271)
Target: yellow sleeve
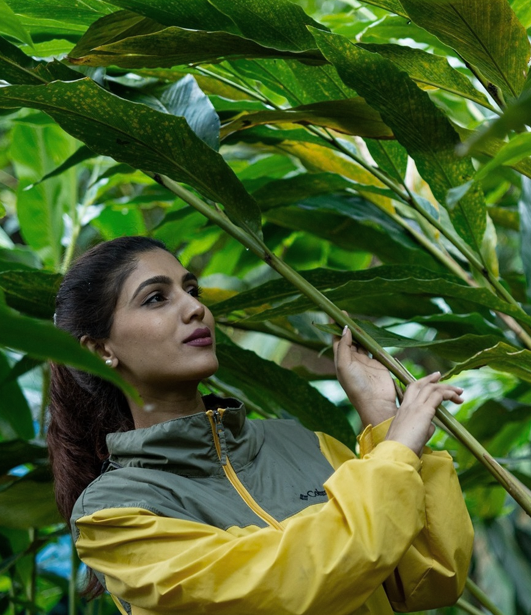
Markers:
point(327, 561)
point(433, 571)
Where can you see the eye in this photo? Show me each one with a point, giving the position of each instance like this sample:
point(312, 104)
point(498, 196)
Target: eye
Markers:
point(157, 297)
point(195, 291)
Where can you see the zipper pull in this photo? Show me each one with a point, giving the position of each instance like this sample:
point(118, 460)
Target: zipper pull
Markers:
point(220, 434)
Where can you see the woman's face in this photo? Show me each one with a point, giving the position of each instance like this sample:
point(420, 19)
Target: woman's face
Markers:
point(162, 335)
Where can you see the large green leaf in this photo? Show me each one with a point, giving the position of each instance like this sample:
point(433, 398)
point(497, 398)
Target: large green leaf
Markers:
point(14, 408)
point(515, 117)
point(36, 151)
point(31, 292)
point(17, 452)
point(174, 46)
point(429, 70)
point(298, 82)
point(354, 224)
point(21, 367)
point(456, 325)
point(522, 8)
point(280, 390)
point(510, 154)
point(322, 279)
point(274, 136)
point(394, 28)
point(282, 192)
point(10, 24)
point(361, 285)
point(389, 5)
point(280, 24)
point(351, 116)
point(186, 99)
point(493, 415)
point(79, 156)
point(40, 339)
point(192, 14)
point(418, 125)
point(490, 146)
point(456, 349)
point(18, 68)
point(488, 35)
point(112, 28)
point(389, 156)
point(141, 137)
point(37, 488)
point(81, 13)
point(501, 357)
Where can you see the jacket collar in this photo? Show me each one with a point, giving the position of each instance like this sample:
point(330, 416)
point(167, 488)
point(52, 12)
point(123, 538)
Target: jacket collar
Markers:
point(186, 445)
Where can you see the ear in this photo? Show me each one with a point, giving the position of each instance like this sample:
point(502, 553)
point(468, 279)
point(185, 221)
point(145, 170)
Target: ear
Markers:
point(100, 348)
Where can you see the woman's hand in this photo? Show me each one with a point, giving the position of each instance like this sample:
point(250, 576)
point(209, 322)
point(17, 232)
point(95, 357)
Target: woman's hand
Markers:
point(412, 425)
point(367, 383)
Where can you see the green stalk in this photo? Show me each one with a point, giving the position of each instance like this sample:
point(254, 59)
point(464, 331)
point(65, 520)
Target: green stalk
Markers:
point(32, 590)
point(429, 246)
point(77, 220)
point(468, 608)
point(505, 478)
point(72, 583)
point(236, 86)
point(482, 597)
point(45, 370)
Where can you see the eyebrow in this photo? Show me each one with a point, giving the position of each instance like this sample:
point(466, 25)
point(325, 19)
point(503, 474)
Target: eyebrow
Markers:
point(163, 279)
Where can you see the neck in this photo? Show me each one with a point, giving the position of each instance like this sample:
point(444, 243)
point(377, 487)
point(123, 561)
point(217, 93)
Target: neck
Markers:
point(159, 407)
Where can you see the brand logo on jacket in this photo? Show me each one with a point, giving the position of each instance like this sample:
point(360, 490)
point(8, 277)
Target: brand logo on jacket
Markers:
point(313, 493)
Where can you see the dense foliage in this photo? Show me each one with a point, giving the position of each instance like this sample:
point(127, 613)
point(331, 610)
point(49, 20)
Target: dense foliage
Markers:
point(380, 148)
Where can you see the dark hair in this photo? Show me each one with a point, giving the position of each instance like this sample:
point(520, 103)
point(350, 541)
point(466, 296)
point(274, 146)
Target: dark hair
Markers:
point(83, 407)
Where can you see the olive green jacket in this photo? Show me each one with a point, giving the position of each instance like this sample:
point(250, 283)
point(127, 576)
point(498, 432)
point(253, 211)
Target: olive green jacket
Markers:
point(215, 513)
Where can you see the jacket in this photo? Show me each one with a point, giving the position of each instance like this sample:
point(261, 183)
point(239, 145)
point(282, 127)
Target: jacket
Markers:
point(216, 513)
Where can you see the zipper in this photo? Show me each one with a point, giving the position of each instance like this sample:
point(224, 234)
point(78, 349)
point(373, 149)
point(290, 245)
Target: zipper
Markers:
point(218, 431)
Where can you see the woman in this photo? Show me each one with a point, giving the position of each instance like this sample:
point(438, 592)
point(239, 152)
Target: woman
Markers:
point(200, 510)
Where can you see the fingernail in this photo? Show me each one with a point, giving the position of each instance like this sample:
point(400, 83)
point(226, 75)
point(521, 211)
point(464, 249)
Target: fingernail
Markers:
point(345, 329)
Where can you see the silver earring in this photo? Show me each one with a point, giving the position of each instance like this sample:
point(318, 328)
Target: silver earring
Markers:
point(108, 362)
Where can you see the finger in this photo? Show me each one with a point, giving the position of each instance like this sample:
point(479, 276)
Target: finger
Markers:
point(437, 396)
point(332, 322)
point(414, 389)
point(446, 391)
point(342, 348)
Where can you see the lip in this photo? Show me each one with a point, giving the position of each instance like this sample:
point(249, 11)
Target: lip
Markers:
point(200, 337)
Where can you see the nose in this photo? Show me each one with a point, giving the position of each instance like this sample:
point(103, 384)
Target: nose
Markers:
point(194, 309)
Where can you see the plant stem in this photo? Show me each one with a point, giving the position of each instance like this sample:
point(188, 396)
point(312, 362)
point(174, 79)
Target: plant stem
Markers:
point(442, 256)
point(490, 88)
point(516, 489)
point(45, 370)
point(236, 86)
point(468, 608)
point(33, 579)
point(72, 582)
point(482, 597)
point(77, 220)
